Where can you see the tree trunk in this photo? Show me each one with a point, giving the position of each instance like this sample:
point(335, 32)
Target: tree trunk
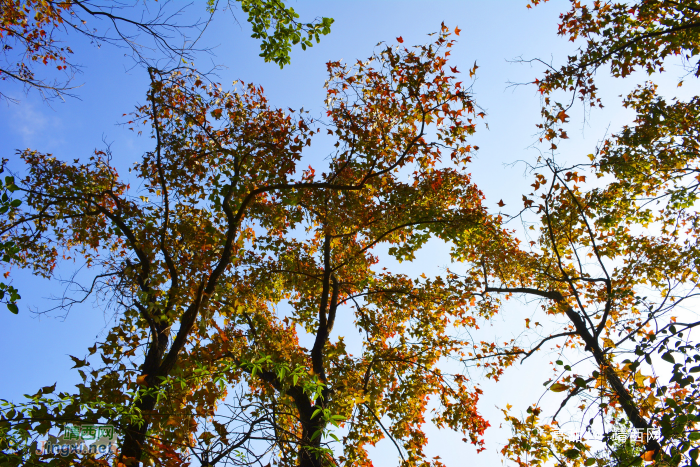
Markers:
point(309, 456)
point(135, 434)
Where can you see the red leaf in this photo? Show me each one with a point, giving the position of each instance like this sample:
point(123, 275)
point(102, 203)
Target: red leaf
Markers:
point(400, 39)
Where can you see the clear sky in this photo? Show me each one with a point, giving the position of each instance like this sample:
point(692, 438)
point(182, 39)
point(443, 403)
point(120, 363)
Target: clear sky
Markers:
point(36, 349)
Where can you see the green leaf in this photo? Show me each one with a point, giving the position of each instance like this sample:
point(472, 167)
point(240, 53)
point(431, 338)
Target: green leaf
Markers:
point(668, 357)
point(13, 308)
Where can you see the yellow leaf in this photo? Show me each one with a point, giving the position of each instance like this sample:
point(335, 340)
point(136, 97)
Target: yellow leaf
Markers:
point(650, 402)
point(558, 387)
point(608, 343)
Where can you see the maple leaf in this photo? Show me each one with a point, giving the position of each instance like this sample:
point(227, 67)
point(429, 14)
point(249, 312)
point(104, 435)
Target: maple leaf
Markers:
point(79, 363)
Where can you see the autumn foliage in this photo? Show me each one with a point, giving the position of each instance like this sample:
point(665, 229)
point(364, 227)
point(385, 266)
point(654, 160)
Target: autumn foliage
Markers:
point(230, 252)
point(610, 249)
point(238, 255)
point(35, 36)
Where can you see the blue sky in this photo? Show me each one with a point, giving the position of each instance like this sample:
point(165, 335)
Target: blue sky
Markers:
point(36, 348)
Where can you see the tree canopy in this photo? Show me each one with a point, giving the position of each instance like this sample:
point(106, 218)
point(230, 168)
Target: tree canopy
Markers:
point(33, 35)
point(614, 255)
point(231, 265)
point(230, 250)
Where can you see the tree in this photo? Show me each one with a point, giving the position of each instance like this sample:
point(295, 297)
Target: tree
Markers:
point(8, 249)
point(32, 34)
point(230, 252)
point(615, 258)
